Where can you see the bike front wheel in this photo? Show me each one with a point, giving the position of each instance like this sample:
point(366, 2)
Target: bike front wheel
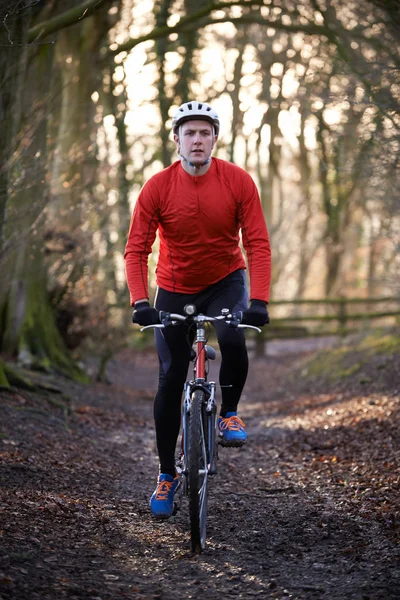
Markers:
point(197, 471)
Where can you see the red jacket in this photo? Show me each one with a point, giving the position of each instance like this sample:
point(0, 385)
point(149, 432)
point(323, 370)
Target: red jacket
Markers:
point(198, 219)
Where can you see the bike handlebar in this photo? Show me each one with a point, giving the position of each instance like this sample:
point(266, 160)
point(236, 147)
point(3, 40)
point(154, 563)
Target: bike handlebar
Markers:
point(168, 319)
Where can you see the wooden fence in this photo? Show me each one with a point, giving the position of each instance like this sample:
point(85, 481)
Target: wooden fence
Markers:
point(330, 316)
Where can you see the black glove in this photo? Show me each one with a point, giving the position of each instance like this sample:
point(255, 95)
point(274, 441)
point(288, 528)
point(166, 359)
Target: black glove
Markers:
point(256, 314)
point(144, 314)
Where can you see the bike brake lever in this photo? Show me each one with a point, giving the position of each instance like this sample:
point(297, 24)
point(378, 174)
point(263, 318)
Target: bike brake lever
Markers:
point(242, 326)
point(156, 326)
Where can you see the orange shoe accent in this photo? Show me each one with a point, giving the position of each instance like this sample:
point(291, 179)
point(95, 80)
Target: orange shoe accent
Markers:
point(234, 423)
point(164, 488)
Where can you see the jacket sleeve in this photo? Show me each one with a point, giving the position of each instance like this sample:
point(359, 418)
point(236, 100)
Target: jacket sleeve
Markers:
point(255, 240)
point(141, 237)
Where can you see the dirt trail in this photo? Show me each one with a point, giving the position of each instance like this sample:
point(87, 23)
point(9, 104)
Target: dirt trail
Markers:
point(306, 511)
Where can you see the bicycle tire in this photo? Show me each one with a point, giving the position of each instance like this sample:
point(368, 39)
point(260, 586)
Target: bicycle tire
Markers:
point(197, 472)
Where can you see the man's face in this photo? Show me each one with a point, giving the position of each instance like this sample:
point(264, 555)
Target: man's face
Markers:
point(195, 141)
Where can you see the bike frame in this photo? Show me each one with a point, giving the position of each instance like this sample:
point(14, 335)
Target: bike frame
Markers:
point(209, 389)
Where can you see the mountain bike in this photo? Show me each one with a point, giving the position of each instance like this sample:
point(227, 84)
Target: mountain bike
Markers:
point(199, 445)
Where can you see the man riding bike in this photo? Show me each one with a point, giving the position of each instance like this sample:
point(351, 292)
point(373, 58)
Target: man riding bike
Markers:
point(200, 206)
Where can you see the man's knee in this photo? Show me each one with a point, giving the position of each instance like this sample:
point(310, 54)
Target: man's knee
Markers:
point(231, 337)
point(172, 382)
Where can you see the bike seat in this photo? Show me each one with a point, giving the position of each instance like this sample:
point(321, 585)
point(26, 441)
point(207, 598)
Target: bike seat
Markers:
point(210, 353)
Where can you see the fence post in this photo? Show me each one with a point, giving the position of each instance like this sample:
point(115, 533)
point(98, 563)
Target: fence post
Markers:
point(342, 315)
point(260, 343)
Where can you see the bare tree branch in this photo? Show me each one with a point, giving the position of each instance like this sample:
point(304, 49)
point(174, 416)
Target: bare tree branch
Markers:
point(65, 19)
point(294, 28)
point(338, 36)
point(160, 32)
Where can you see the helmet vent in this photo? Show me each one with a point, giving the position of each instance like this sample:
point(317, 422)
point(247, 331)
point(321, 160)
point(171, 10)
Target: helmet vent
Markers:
point(190, 106)
point(199, 106)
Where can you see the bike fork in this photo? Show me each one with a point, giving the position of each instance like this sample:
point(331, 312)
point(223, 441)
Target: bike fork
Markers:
point(211, 411)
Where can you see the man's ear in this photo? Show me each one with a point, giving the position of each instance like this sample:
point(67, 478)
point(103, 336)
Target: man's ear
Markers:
point(176, 140)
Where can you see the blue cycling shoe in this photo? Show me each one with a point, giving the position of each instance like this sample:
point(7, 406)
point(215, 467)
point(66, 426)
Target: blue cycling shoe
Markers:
point(232, 430)
point(162, 500)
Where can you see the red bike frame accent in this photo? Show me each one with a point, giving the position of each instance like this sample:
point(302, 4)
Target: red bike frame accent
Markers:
point(201, 360)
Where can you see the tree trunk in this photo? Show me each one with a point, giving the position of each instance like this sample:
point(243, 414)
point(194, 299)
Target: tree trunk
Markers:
point(162, 12)
point(306, 252)
point(73, 212)
point(263, 176)
point(29, 331)
point(237, 115)
point(190, 41)
point(13, 56)
point(28, 327)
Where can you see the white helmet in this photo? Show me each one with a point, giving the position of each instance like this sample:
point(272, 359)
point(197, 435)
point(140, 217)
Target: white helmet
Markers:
point(195, 110)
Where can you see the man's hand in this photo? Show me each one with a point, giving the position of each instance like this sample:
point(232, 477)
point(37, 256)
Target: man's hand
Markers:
point(144, 314)
point(257, 314)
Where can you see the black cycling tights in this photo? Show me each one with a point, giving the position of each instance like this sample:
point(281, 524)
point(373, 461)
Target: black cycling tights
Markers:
point(174, 345)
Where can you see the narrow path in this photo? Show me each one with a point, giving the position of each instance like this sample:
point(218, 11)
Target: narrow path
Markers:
point(306, 511)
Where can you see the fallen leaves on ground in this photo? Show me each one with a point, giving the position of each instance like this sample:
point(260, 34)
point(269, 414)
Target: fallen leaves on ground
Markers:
point(309, 510)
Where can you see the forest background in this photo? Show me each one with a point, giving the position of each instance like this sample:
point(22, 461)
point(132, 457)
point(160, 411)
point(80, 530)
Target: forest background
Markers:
point(308, 96)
